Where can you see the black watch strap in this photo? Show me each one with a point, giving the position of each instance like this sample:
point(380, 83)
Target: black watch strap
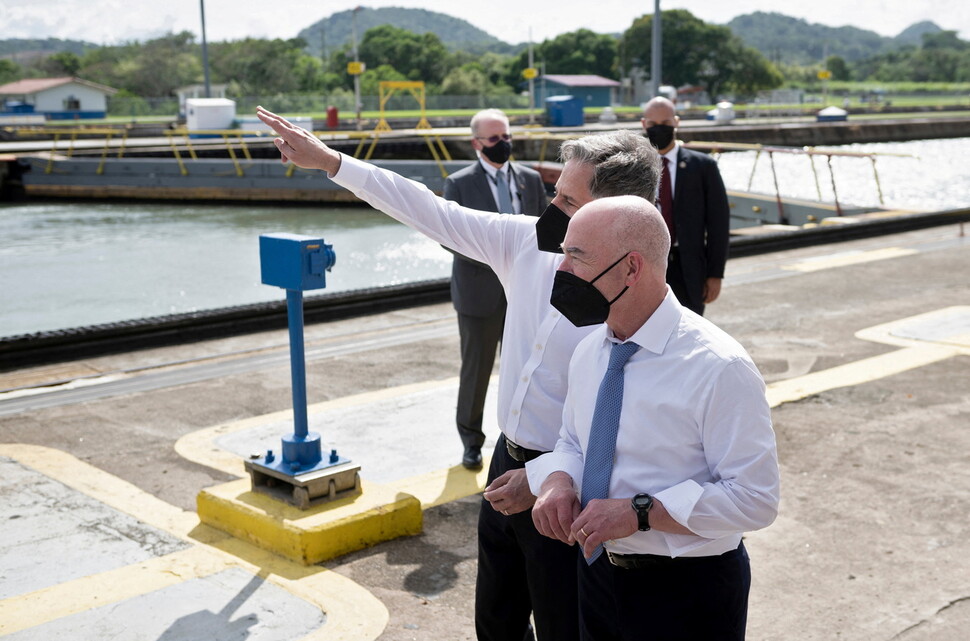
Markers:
point(641, 505)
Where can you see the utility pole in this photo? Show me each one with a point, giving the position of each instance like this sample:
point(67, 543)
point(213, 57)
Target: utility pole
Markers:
point(357, 104)
point(205, 52)
point(532, 82)
point(655, 60)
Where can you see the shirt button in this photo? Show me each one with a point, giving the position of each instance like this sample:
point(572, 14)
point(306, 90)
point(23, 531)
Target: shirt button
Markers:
point(515, 412)
point(525, 379)
point(539, 347)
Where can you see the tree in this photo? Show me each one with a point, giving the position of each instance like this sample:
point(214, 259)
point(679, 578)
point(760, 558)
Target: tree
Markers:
point(839, 68)
point(62, 63)
point(944, 40)
point(576, 52)
point(9, 71)
point(695, 52)
point(262, 67)
point(370, 80)
point(467, 80)
point(153, 69)
point(418, 57)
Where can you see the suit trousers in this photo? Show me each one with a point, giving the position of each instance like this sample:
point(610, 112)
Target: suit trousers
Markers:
point(480, 336)
point(520, 571)
point(675, 278)
point(683, 599)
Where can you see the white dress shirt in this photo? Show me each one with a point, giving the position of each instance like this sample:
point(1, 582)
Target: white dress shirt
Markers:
point(537, 341)
point(509, 179)
point(695, 432)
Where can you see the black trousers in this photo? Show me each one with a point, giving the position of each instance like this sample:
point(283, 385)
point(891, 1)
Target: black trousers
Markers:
point(480, 336)
point(520, 571)
point(687, 599)
point(675, 278)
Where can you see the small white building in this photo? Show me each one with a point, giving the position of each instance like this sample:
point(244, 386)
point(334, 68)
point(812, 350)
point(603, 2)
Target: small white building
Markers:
point(64, 98)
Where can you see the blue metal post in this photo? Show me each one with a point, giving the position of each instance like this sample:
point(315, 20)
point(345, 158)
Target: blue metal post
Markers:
point(294, 311)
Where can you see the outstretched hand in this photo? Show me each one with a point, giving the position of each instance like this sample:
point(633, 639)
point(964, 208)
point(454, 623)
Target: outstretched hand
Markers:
point(299, 146)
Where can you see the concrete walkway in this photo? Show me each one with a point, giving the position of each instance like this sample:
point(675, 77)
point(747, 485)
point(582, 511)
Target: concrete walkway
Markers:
point(864, 346)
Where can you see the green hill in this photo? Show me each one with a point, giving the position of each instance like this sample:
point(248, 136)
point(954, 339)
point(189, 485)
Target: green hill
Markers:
point(790, 40)
point(456, 34)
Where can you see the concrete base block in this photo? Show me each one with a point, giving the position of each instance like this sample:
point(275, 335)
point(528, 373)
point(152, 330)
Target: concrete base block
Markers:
point(314, 535)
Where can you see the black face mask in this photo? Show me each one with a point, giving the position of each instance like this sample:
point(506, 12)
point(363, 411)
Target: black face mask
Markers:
point(551, 229)
point(660, 136)
point(580, 302)
point(499, 152)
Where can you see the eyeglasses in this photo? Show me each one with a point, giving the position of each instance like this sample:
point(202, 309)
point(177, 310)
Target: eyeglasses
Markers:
point(494, 139)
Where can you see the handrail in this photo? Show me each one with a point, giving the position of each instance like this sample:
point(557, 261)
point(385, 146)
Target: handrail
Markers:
point(435, 141)
point(811, 152)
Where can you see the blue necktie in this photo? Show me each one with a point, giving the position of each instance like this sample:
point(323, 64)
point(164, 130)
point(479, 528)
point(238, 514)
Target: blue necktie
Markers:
point(504, 195)
point(602, 436)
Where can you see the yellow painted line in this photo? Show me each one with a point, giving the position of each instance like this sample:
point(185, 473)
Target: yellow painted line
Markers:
point(856, 373)
point(433, 488)
point(447, 485)
point(915, 352)
point(200, 446)
point(36, 608)
point(846, 259)
point(887, 332)
point(353, 613)
point(101, 486)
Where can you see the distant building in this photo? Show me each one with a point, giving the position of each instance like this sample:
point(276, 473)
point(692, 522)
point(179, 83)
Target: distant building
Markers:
point(594, 91)
point(56, 98)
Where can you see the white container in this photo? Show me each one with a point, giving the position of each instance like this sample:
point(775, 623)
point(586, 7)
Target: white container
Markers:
point(724, 114)
point(209, 113)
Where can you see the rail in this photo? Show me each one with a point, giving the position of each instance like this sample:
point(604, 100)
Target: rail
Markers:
point(235, 139)
point(716, 148)
point(182, 138)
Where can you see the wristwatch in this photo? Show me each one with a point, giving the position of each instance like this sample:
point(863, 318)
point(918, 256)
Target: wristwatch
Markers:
point(641, 505)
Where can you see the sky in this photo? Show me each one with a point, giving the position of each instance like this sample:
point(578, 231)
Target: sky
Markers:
point(514, 21)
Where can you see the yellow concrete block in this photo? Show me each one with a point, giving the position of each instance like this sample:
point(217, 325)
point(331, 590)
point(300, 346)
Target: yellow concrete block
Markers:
point(314, 535)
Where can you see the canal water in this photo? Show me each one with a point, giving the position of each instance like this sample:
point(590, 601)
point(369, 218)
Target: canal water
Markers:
point(66, 265)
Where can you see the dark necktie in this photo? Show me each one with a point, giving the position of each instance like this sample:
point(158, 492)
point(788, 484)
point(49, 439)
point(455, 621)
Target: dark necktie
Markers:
point(504, 195)
point(666, 200)
point(598, 467)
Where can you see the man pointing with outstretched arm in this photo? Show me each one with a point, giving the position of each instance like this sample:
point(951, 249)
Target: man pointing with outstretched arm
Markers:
point(519, 571)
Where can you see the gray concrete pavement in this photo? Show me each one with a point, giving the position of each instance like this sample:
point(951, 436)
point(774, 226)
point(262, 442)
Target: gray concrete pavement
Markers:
point(865, 346)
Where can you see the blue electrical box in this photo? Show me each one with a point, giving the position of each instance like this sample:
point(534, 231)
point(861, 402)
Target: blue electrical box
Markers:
point(564, 111)
point(294, 262)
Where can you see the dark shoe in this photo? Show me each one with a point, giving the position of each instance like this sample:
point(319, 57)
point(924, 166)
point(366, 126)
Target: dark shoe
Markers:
point(472, 460)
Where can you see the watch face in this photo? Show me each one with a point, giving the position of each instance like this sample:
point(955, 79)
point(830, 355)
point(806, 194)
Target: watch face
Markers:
point(643, 500)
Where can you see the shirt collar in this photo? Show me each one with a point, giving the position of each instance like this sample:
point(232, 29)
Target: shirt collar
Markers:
point(654, 334)
point(672, 154)
point(490, 170)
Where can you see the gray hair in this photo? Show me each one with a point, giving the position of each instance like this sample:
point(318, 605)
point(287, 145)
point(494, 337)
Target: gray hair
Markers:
point(493, 114)
point(624, 163)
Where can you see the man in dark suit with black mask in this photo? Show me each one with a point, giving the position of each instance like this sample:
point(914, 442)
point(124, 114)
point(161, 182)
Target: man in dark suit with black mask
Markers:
point(492, 183)
point(694, 204)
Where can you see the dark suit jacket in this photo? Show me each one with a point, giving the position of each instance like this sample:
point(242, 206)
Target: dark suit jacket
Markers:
point(701, 220)
point(475, 290)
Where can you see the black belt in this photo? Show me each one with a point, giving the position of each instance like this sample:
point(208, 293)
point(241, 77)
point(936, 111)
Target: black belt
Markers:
point(519, 453)
point(645, 561)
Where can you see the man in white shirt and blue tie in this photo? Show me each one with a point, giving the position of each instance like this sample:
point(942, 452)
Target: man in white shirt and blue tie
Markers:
point(666, 463)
